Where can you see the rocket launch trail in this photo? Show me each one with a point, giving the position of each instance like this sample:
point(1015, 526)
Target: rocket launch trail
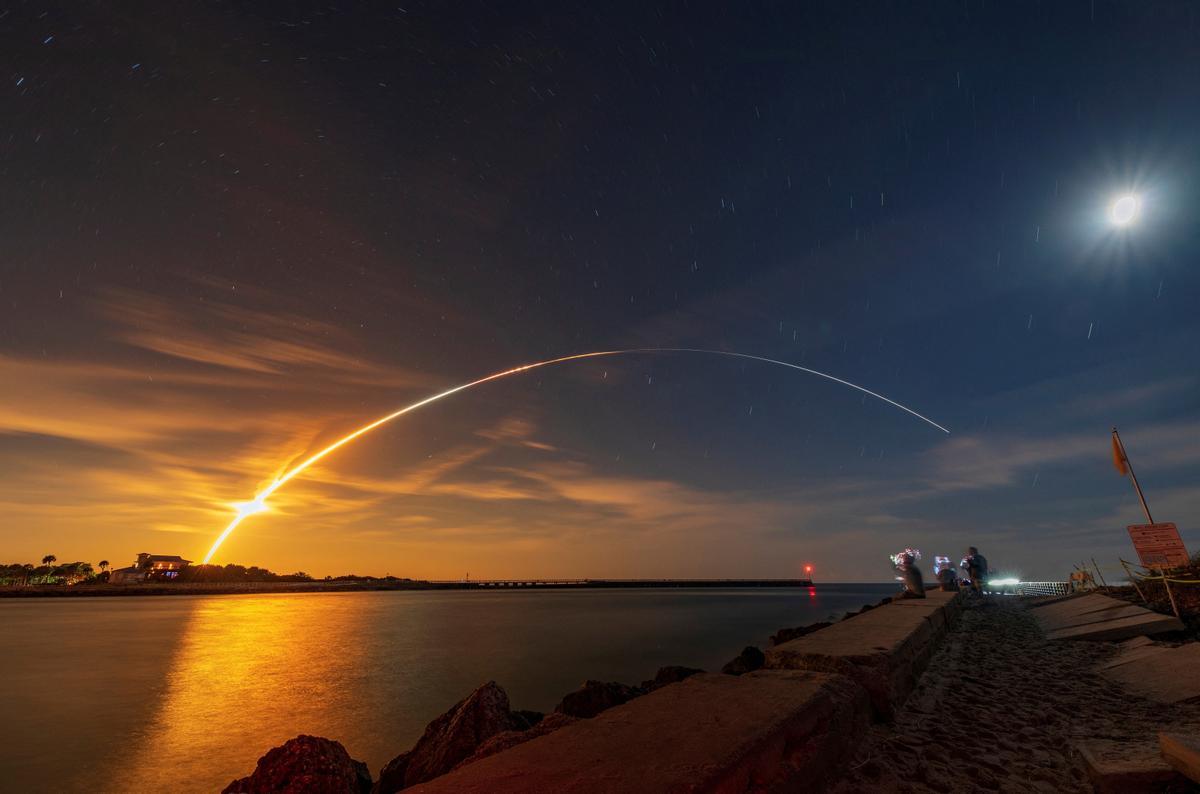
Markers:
point(259, 503)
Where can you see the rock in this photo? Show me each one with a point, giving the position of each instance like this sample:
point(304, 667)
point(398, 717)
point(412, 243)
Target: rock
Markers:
point(787, 635)
point(531, 718)
point(669, 675)
point(749, 660)
point(503, 741)
point(596, 696)
point(451, 738)
point(305, 765)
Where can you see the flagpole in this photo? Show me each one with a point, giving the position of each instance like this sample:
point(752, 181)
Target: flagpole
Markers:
point(1132, 476)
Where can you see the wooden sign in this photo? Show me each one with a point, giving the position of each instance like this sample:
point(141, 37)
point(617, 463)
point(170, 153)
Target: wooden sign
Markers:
point(1158, 545)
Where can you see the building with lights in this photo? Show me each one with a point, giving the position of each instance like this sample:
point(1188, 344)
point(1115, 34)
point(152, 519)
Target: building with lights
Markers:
point(149, 568)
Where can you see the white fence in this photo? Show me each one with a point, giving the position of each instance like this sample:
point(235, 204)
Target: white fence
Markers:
point(1042, 588)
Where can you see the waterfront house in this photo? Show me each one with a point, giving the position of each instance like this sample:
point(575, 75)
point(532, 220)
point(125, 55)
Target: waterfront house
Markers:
point(149, 568)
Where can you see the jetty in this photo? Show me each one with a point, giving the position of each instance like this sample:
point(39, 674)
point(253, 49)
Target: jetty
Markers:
point(789, 726)
point(954, 691)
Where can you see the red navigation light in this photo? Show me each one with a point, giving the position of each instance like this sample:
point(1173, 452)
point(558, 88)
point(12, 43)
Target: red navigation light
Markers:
point(808, 569)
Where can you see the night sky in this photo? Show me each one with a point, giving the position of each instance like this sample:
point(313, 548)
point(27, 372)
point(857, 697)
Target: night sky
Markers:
point(230, 233)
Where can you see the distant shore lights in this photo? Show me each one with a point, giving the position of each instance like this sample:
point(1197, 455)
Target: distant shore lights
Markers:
point(1125, 209)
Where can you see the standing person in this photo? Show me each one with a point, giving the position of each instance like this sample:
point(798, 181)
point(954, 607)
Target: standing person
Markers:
point(976, 566)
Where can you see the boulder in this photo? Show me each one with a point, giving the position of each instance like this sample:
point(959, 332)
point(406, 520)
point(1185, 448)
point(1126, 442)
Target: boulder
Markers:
point(749, 660)
point(503, 741)
point(596, 696)
point(452, 738)
point(786, 635)
point(669, 675)
point(531, 718)
point(305, 765)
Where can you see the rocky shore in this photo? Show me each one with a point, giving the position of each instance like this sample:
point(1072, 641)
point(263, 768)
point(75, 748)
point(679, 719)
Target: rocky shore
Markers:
point(480, 725)
point(922, 696)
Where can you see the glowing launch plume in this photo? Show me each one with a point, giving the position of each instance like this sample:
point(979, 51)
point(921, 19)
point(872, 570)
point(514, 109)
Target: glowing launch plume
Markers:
point(259, 503)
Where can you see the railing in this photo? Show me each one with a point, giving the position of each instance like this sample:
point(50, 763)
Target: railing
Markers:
point(1042, 588)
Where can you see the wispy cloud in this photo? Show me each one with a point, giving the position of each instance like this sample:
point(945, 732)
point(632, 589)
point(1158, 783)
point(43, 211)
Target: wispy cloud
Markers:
point(232, 336)
point(982, 462)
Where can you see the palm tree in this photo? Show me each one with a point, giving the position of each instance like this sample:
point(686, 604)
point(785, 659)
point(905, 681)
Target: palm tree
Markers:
point(103, 564)
point(49, 559)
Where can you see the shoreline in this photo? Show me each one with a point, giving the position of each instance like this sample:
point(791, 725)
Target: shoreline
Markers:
point(780, 717)
point(953, 692)
point(258, 588)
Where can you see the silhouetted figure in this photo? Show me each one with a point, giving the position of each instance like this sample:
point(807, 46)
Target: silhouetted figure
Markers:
point(943, 571)
point(910, 574)
point(976, 567)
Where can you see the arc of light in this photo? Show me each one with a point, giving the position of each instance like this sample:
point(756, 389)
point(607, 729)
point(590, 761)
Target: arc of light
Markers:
point(258, 505)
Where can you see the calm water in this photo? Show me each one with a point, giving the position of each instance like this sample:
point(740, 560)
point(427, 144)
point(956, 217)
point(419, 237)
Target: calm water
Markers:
point(106, 693)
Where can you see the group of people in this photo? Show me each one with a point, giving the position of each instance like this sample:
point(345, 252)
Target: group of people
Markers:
point(974, 567)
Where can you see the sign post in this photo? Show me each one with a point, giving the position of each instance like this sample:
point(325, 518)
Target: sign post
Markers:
point(1158, 545)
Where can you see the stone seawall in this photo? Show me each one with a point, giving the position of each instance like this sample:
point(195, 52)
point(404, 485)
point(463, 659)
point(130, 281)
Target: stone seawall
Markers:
point(787, 727)
point(884, 650)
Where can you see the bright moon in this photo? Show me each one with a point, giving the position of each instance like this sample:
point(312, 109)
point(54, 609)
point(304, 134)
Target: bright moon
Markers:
point(1124, 210)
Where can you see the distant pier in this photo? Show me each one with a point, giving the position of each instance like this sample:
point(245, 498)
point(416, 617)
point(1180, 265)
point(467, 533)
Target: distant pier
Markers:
point(499, 584)
point(373, 583)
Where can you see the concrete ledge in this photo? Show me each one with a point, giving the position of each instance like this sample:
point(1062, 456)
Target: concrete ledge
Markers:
point(1088, 609)
point(1127, 657)
point(883, 650)
point(1119, 629)
point(1041, 601)
point(1182, 753)
point(1073, 604)
point(1124, 767)
point(774, 730)
point(1098, 617)
point(1166, 675)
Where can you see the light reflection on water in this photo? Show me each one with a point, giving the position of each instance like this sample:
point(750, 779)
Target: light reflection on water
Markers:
point(108, 688)
point(251, 672)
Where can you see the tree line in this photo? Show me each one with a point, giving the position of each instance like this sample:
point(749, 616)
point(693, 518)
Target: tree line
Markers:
point(50, 572)
point(237, 573)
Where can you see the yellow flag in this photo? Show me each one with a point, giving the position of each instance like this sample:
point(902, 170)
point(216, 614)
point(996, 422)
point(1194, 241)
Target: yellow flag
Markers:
point(1119, 458)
